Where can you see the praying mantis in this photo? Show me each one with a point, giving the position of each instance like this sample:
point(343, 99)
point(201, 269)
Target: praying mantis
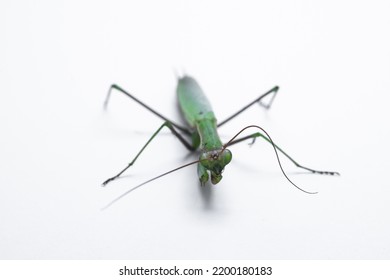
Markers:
point(201, 133)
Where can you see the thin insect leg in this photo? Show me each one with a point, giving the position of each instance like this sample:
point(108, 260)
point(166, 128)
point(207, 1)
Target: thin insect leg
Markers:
point(257, 100)
point(267, 106)
point(114, 86)
point(170, 126)
point(258, 134)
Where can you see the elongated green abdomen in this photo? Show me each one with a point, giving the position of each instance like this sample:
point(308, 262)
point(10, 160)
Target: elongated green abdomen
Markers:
point(193, 103)
point(198, 113)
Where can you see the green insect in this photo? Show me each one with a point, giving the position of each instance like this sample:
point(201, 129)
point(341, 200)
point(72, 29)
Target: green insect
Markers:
point(201, 132)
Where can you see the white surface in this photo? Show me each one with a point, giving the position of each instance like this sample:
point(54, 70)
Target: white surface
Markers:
point(58, 59)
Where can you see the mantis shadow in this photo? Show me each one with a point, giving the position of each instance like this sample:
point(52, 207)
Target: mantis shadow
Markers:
point(207, 194)
point(206, 191)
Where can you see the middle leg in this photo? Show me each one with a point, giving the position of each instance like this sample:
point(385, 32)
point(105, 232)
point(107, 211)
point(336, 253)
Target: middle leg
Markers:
point(188, 145)
point(261, 135)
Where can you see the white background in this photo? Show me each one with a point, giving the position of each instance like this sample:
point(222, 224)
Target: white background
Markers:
point(57, 61)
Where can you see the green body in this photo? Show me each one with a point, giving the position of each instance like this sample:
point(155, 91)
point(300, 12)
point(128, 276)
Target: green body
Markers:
point(202, 122)
point(198, 113)
point(200, 117)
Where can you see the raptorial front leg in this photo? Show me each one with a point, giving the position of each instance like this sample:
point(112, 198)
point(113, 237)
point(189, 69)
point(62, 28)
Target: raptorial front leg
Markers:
point(203, 175)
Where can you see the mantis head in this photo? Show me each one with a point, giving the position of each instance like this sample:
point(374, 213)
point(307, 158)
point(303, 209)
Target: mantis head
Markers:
point(215, 161)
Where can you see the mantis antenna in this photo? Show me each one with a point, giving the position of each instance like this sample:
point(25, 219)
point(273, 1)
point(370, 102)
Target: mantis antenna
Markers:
point(148, 181)
point(273, 145)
